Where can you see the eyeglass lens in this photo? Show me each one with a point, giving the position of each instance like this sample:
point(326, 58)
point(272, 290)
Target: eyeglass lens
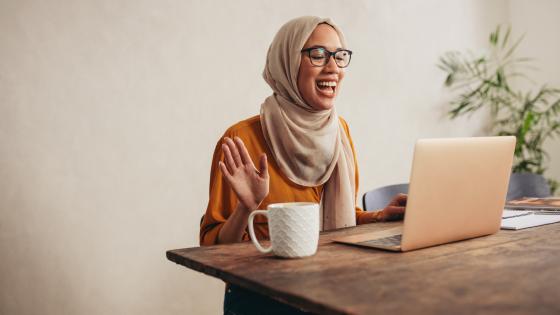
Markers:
point(320, 57)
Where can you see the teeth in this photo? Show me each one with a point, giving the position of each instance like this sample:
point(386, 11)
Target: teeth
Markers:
point(326, 83)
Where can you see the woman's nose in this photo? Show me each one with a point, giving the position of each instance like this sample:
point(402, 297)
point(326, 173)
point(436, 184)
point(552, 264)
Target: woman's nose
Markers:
point(331, 66)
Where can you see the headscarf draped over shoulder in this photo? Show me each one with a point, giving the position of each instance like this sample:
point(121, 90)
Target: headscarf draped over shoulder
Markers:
point(310, 146)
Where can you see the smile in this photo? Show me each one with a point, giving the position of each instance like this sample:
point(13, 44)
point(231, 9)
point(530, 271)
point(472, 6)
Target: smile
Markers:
point(327, 88)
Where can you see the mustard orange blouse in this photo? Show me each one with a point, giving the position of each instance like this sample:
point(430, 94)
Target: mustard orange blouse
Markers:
point(223, 201)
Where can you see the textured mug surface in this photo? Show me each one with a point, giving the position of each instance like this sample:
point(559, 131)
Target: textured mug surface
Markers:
point(293, 229)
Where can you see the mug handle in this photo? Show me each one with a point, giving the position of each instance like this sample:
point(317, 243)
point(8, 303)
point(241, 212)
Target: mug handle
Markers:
point(252, 231)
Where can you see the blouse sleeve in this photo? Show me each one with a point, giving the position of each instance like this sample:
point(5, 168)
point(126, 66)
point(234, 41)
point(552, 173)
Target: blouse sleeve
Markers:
point(360, 214)
point(221, 203)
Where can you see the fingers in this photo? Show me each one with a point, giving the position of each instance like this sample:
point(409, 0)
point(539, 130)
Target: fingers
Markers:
point(401, 199)
point(392, 213)
point(229, 162)
point(245, 158)
point(234, 151)
point(236, 155)
point(263, 166)
point(398, 200)
point(225, 171)
point(395, 210)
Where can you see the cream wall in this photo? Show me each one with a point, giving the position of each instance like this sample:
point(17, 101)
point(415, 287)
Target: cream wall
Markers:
point(539, 22)
point(110, 110)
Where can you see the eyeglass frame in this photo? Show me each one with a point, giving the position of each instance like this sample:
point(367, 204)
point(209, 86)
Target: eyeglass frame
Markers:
point(329, 53)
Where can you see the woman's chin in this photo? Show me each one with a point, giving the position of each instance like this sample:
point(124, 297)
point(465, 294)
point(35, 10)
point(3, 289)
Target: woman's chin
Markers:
point(320, 102)
point(323, 105)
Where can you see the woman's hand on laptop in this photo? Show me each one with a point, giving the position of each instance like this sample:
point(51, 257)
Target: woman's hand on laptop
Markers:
point(394, 210)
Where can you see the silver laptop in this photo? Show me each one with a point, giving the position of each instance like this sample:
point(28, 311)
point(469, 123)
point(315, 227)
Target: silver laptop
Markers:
point(457, 191)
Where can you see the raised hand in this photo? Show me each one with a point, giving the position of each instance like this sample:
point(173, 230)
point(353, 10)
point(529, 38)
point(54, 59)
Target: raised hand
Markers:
point(249, 184)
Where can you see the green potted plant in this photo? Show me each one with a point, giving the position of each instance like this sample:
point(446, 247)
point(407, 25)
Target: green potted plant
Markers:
point(485, 82)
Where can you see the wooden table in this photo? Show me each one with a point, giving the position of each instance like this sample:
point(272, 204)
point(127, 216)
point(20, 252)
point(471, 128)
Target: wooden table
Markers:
point(511, 272)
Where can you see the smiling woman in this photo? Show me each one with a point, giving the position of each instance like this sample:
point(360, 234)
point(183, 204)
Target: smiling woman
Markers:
point(312, 154)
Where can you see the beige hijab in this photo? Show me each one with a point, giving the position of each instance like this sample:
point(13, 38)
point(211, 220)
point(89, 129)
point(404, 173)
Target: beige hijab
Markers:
point(310, 147)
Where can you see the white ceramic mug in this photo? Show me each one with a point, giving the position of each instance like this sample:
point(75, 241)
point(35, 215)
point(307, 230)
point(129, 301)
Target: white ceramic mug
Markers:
point(293, 228)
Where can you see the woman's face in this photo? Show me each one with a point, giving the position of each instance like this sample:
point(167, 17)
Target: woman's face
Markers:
point(318, 85)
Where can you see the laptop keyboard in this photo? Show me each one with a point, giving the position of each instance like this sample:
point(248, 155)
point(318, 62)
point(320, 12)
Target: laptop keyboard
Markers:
point(390, 241)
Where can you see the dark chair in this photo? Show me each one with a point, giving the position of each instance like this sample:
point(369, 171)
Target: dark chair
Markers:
point(527, 185)
point(378, 198)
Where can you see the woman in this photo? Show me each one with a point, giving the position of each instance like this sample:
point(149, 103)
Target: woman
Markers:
point(304, 149)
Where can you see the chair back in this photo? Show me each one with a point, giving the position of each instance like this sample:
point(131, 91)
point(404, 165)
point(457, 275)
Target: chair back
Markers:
point(378, 198)
point(527, 185)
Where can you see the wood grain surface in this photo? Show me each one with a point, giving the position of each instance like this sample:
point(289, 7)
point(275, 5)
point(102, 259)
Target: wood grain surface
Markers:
point(511, 272)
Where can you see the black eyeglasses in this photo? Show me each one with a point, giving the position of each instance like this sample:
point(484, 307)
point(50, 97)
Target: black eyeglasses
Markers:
point(320, 56)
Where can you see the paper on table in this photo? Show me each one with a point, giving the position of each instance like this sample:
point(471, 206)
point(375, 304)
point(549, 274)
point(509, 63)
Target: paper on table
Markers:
point(513, 213)
point(529, 220)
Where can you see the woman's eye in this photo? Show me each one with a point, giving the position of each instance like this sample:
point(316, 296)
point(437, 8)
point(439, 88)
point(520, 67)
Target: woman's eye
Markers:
point(318, 57)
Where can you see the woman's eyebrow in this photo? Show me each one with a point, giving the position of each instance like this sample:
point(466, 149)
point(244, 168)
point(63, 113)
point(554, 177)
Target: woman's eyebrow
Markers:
point(320, 46)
